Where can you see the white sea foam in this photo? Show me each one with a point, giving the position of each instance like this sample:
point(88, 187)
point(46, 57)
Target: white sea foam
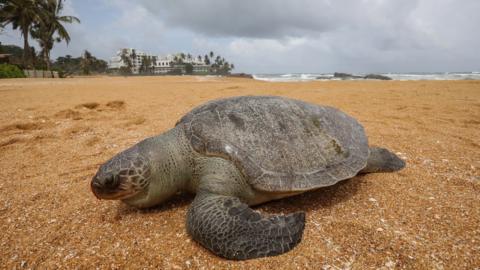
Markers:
point(305, 77)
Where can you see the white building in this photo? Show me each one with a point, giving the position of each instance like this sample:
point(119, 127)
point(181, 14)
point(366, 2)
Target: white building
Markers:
point(158, 64)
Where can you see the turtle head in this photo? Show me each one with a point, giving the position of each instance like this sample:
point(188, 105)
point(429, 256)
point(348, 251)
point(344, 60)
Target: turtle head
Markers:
point(124, 176)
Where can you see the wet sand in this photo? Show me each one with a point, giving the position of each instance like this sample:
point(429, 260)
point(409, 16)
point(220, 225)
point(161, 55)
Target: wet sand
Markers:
point(54, 133)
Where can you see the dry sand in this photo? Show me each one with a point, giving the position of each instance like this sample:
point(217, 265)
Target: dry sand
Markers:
point(54, 133)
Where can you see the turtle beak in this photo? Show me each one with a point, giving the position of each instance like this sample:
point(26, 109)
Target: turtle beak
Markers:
point(94, 185)
point(109, 188)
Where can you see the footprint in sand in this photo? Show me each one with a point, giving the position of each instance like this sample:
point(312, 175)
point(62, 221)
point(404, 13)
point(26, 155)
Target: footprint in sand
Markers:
point(116, 104)
point(76, 113)
point(68, 114)
point(25, 126)
point(88, 105)
point(26, 139)
point(12, 141)
point(92, 141)
point(135, 121)
point(77, 129)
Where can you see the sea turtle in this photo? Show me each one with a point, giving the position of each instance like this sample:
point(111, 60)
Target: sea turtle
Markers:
point(238, 152)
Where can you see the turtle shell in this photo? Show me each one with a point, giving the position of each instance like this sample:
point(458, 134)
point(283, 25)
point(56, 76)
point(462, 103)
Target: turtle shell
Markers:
point(279, 144)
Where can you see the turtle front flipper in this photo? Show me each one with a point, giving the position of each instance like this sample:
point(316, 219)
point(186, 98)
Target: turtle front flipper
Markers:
point(230, 229)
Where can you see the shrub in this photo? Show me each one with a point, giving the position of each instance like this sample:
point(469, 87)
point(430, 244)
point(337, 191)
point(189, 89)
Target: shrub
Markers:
point(10, 71)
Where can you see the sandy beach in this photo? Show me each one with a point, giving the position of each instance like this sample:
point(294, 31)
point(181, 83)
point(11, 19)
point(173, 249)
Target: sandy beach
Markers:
point(54, 134)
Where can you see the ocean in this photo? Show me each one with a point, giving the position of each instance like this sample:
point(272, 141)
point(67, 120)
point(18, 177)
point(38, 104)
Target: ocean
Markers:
point(300, 77)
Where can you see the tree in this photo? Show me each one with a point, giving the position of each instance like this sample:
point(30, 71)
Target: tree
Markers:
point(146, 64)
point(50, 24)
point(99, 65)
point(206, 60)
point(67, 65)
point(86, 62)
point(188, 68)
point(133, 56)
point(211, 54)
point(127, 60)
point(22, 14)
point(154, 63)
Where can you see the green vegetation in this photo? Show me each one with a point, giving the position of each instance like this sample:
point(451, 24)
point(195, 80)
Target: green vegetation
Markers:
point(22, 15)
point(128, 60)
point(11, 49)
point(87, 64)
point(218, 66)
point(49, 28)
point(64, 65)
point(40, 19)
point(10, 71)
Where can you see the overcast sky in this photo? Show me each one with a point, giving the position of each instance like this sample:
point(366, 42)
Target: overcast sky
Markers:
point(280, 36)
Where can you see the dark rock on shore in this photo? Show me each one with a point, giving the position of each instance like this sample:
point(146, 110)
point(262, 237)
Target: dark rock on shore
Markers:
point(241, 75)
point(346, 76)
point(377, 77)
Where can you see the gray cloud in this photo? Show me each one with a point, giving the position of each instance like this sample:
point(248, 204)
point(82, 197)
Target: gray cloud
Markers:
point(383, 25)
point(292, 36)
point(247, 18)
point(282, 18)
point(327, 35)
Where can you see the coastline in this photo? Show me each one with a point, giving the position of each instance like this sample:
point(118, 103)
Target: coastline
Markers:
point(413, 76)
point(56, 132)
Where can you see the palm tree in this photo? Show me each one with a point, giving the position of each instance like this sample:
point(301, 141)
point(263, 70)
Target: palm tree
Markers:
point(49, 25)
point(146, 64)
point(127, 60)
point(22, 14)
point(133, 56)
point(153, 64)
point(86, 62)
point(206, 60)
point(211, 54)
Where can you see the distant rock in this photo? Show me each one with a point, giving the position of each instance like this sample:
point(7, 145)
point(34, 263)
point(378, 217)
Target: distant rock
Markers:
point(323, 77)
point(377, 77)
point(240, 75)
point(346, 76)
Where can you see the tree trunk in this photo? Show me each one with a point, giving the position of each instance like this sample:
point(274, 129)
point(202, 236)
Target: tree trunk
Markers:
point(26, 49)
point(46, 58)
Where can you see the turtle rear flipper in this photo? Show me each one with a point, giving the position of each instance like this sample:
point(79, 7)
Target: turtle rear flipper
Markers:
point(382, 160)
point(230, 229)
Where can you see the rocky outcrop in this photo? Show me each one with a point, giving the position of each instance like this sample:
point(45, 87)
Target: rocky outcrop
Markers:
point(241, 75)
point(377, 77)
point(346, 76)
